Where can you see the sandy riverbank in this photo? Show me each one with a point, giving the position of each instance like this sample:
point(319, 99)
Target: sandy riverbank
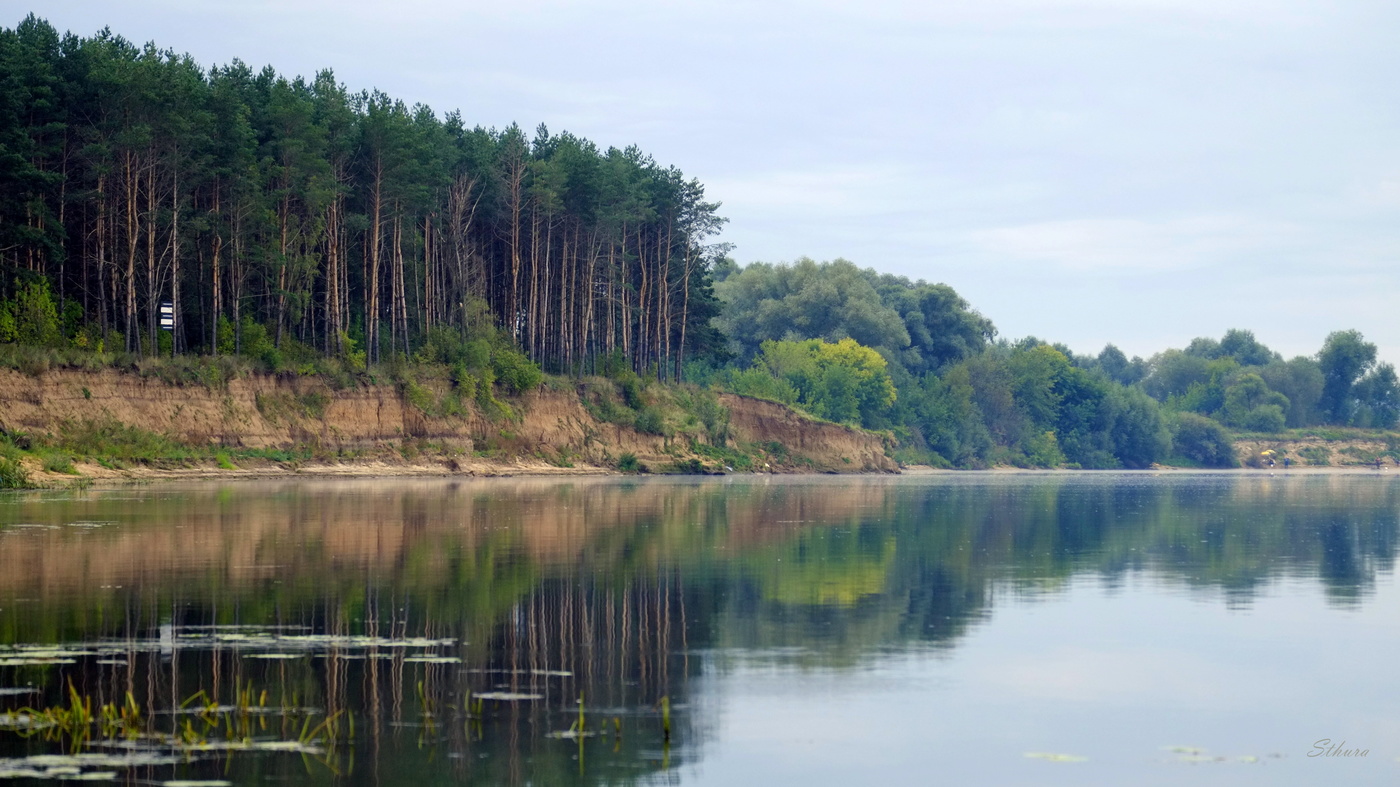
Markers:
point(96, 475)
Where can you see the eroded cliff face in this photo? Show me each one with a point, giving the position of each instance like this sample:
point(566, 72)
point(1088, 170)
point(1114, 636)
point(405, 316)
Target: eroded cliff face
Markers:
point(277, 412)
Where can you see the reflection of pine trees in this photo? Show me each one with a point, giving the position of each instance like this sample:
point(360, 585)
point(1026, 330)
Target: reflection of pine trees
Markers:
point(621, 646)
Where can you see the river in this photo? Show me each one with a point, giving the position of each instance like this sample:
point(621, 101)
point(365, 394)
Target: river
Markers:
point(973, 628)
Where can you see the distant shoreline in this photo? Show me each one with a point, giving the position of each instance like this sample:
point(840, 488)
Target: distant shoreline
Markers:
point(95, 476)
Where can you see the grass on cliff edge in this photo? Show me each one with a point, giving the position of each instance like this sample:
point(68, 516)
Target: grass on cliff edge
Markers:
point(117, 446)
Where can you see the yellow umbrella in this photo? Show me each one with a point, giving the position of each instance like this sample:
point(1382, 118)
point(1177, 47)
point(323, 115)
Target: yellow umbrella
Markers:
point(1269, 452)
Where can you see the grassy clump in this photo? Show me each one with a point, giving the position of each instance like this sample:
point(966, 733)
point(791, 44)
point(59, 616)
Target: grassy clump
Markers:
point(59, 463)
point(1315, 455)
point(112, 440)
point(13, 475)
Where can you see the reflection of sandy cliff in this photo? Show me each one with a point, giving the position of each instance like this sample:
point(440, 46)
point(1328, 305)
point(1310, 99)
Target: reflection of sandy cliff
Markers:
point(438, 534)
point(244, 534)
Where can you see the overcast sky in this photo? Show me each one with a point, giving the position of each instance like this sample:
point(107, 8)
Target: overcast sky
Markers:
point(1087, 171)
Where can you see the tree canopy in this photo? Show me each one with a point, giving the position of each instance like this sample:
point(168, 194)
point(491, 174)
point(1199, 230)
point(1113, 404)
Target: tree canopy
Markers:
point(132, 176)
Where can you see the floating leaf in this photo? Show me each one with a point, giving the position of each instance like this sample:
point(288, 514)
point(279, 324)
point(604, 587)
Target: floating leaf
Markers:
point(1184, 749)
point(506, 696)
point(1052, 757)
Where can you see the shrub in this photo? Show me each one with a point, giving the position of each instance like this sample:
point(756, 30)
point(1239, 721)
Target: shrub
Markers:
point(650, 421)
point(13, 475)
point(34, 314)
point(1203, 441)
point(1264, 418)
point(628, 463)
point(59, 463)
point(515, 371)
point(688, 467)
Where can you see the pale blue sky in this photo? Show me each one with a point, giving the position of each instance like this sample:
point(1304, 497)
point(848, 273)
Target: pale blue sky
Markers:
point(1135, 171)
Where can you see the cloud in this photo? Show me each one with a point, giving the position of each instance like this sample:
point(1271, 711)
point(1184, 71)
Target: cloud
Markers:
point(846, 191)
point(1128, 245)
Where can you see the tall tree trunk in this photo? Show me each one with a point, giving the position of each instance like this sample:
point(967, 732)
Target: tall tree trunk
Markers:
point(133, 339)
point(215, 281)
point(372, 296)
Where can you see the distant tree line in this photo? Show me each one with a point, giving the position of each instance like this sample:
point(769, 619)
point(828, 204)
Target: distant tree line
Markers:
point(960, 396)
point(333, 221)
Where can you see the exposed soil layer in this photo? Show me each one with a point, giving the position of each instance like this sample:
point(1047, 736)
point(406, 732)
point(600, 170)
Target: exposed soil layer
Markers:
point(376, 430)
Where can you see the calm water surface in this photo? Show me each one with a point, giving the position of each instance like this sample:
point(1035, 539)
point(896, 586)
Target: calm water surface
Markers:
point(971, 628)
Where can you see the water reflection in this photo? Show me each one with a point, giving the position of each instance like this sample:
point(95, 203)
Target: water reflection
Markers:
point(621, 591)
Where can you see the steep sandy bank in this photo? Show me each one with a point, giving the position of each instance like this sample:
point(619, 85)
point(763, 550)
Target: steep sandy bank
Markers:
point(376, 430)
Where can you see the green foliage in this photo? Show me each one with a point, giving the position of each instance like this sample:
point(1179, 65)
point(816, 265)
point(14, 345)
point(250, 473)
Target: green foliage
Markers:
point(113, 440)
point(1316, 455)
point(516, 372)
point(920, 326)
point(419, 397)
point(1139, 433)
point(649, 420)
point(630, 385)
point(843, 382)
point(1238, 345)
point(690, 466)
point(255, 343)
point(13, 475)
point(464, 382)
point(59, 463)
point(727, 458)
point(31, 317)
point(1345, 357)
point(1113, 363)
point(1378, 398)
point(1202, 441)
point(480, 356)
point(225, 336)
point(1267, 418)
point(1250, 405)
point(704, 406)
point(760, 383)
point(9, 332)
point(627, 463)
point(1301, 380)
point(1043, 450)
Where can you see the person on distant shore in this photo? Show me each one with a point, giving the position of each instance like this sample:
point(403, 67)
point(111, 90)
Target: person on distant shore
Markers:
point(1286, 462)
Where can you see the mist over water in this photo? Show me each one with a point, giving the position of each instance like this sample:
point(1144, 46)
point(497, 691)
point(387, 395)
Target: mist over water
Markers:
point(995, 628)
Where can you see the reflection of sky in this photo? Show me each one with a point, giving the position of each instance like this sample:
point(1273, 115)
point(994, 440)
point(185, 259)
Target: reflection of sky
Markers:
point(1113, 677)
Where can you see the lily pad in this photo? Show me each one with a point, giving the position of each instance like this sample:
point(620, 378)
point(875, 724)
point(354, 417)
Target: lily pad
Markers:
point(1053, 757)
point(1184, 749)
point(507, 696)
